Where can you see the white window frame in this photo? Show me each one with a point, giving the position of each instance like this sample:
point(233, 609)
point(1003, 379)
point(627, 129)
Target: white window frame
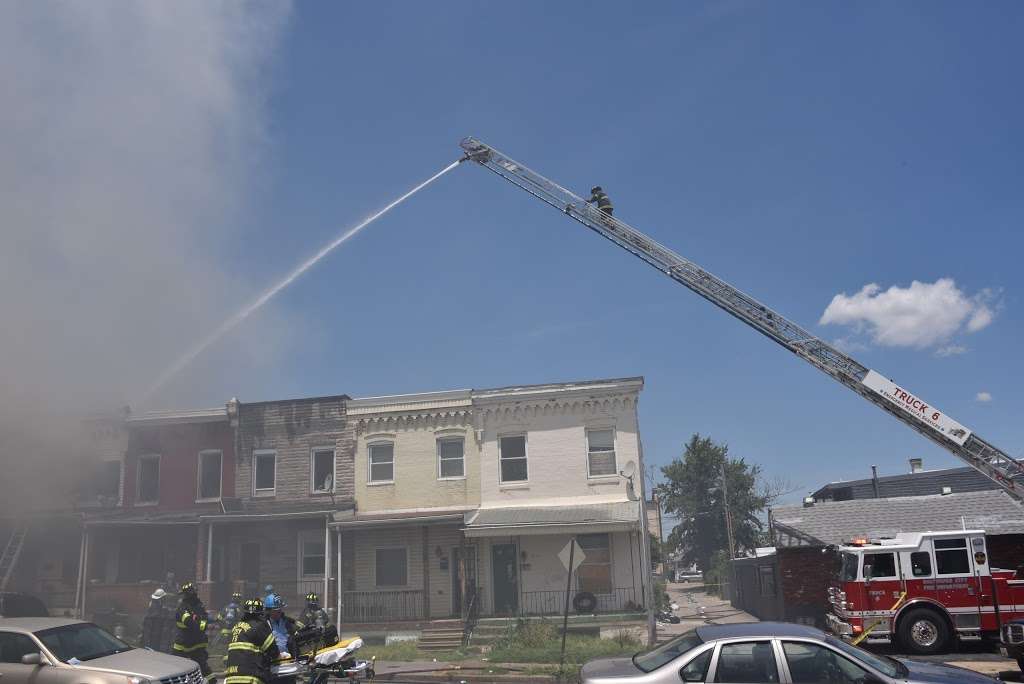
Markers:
point(370, 482)
point(615, 451)
point(405, 549)
point(312, 470)
point(526, 453)
point(199, 476)
point(315, 536)
point(450, 438)
point(256, 453)
point(138, 479)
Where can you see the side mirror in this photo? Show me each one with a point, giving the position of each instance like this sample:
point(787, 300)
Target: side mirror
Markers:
point(33, 659)
point(867, 572)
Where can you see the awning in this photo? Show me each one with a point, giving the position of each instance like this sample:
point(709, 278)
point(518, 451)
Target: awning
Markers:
point(400, 519)
point(620, 516)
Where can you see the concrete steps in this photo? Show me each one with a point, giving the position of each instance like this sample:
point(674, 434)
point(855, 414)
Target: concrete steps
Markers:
point(446, 638)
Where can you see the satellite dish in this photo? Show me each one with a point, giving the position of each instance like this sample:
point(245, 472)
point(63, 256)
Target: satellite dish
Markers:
point(628, 470)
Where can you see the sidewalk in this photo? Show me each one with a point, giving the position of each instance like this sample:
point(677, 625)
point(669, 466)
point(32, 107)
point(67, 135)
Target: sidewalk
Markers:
point(697, 607)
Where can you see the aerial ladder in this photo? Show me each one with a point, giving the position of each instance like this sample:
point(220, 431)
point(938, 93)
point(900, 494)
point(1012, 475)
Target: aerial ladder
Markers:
point(986, 458)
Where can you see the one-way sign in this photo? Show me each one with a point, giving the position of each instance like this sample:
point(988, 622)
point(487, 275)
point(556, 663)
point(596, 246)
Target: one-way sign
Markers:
point(577, 556)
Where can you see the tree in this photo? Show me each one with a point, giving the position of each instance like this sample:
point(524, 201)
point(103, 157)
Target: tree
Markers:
point(692, 491)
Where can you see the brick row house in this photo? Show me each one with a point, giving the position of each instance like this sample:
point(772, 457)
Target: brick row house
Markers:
point(397, 509)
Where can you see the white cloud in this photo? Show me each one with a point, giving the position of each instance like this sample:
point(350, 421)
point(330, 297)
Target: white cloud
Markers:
point(951, 350)
point(983, 397)
point(921, 315)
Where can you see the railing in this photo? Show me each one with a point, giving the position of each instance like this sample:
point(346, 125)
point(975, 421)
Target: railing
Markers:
point(293, 592)
point(382, 606)
point(552, 602)
point(472, 615)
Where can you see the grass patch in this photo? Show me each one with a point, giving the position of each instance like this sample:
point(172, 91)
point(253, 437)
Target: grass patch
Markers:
point(403, 651)
point(540, 642)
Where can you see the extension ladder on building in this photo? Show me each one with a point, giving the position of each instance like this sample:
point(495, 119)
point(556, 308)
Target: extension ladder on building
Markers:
point(12, 551)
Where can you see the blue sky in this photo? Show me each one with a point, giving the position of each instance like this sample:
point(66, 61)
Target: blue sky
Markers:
point(798, 150)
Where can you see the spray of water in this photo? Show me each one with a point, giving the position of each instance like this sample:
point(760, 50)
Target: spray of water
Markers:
point(258, 303)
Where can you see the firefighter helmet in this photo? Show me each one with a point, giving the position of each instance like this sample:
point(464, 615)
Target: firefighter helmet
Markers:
point(236, 597)
point(253, 606)
point(188, 589)
point(311, 597)
point(596, 188)
point(274, 602)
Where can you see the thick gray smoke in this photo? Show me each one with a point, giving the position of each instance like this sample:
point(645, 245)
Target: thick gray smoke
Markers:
point(129, 133)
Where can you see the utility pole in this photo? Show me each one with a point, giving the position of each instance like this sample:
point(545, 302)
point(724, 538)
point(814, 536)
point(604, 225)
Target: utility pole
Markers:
point(728, 529)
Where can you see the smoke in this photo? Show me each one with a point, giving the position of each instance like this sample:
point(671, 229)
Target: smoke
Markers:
point(128, 136)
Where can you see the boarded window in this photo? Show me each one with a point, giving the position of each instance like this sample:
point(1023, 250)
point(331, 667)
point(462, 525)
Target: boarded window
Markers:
point(595, 574)
point(951, 557)
point(601, 452)
point(392, 568)
point(265, 476)
point(766, 580)
point(149, 479)
point(451, 457)
point(512, 454)
point(209, 474)
point(382, 462)
point(322, 470)
point(313, 558)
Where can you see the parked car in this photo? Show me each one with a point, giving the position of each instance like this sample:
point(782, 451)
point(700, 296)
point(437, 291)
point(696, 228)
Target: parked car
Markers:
point(1011, 642)
point(14, 604)
point(76, 652)
point(769, 652)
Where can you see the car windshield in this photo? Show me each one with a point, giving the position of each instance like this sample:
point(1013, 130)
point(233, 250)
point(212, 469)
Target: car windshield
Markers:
point(668, 651)
point(80, 642)
point(848, 573)
point(884, 664)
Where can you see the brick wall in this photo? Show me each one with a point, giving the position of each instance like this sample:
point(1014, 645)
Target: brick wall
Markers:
point(293, 429)
point(804, 576)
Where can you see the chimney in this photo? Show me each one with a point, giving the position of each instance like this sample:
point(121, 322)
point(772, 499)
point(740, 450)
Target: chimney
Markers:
point(916, 465)
point(808, 501)
point(874, 479)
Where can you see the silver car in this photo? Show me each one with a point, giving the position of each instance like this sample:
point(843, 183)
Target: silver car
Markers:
point(767, 653)
point(62, 651)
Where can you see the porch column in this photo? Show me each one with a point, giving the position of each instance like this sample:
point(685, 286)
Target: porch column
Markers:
point(327, 561)
point(209, 552)
point(85, 571)
point(426, 572)
point(80, 587)
point(337, 615)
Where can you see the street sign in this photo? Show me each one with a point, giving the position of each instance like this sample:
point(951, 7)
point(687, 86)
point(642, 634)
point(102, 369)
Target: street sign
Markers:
point(577, 556)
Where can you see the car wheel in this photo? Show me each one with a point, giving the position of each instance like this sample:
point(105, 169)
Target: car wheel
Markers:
point(923, 632)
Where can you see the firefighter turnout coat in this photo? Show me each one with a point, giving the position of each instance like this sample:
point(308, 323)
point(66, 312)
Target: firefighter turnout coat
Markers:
point(191, 623)
point(251, 652)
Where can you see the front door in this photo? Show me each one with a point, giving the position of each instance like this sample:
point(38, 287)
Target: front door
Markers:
point(505, 572)
point(463, 573)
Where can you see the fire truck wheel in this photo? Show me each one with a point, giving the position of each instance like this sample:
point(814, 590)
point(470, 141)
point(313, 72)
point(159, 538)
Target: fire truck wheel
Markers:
point(923, 632)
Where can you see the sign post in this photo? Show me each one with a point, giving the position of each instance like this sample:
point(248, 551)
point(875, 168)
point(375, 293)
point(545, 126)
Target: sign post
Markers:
point(572, 557)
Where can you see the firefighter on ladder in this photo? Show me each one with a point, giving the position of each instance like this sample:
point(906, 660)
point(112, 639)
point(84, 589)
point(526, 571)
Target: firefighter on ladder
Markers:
point(601, 199)
point(191, 621)
point(253, 649)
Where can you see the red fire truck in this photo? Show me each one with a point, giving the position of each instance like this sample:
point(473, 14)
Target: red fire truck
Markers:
point(924, 590)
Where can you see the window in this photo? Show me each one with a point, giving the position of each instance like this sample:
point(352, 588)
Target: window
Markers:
point(813, 663)
point(382, 462)
point(149, 479)
point(595, 574)
point(82, 641)
point(512, 454)
point(951, 557)
point(601, 452)
point(882, 565)
point(697, 668)
point(451, 458)
point(667, 652)
point(108, 480)
point(921, 564)
point(314, 559)
point(321, 471)
point(209, 475)
point(392, 568)
point(749, 662)
point(766, 580)
point(264, 478)
point(13, 646)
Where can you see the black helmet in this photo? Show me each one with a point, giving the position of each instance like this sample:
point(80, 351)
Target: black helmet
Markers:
point(236, 597)
point(187, 589)
point(254, 606)
point(596, 188)
point(311, 597)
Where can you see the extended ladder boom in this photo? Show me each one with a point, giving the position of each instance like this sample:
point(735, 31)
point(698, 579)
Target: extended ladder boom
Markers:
point(1004, 470)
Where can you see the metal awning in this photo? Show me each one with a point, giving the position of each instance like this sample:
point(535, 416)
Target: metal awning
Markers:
point(620, 516)
point(457, 518)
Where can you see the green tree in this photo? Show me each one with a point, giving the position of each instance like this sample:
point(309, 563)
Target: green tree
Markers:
point(693, 492)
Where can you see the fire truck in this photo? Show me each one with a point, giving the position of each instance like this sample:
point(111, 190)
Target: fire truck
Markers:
point(924, 590)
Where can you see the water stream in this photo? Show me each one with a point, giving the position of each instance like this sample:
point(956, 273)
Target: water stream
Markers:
point(258, 303)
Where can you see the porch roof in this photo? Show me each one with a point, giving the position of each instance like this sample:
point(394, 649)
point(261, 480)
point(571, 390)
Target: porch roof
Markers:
point(523, 520)
point(454, 517)
point(142, 517)
point(269, 509)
